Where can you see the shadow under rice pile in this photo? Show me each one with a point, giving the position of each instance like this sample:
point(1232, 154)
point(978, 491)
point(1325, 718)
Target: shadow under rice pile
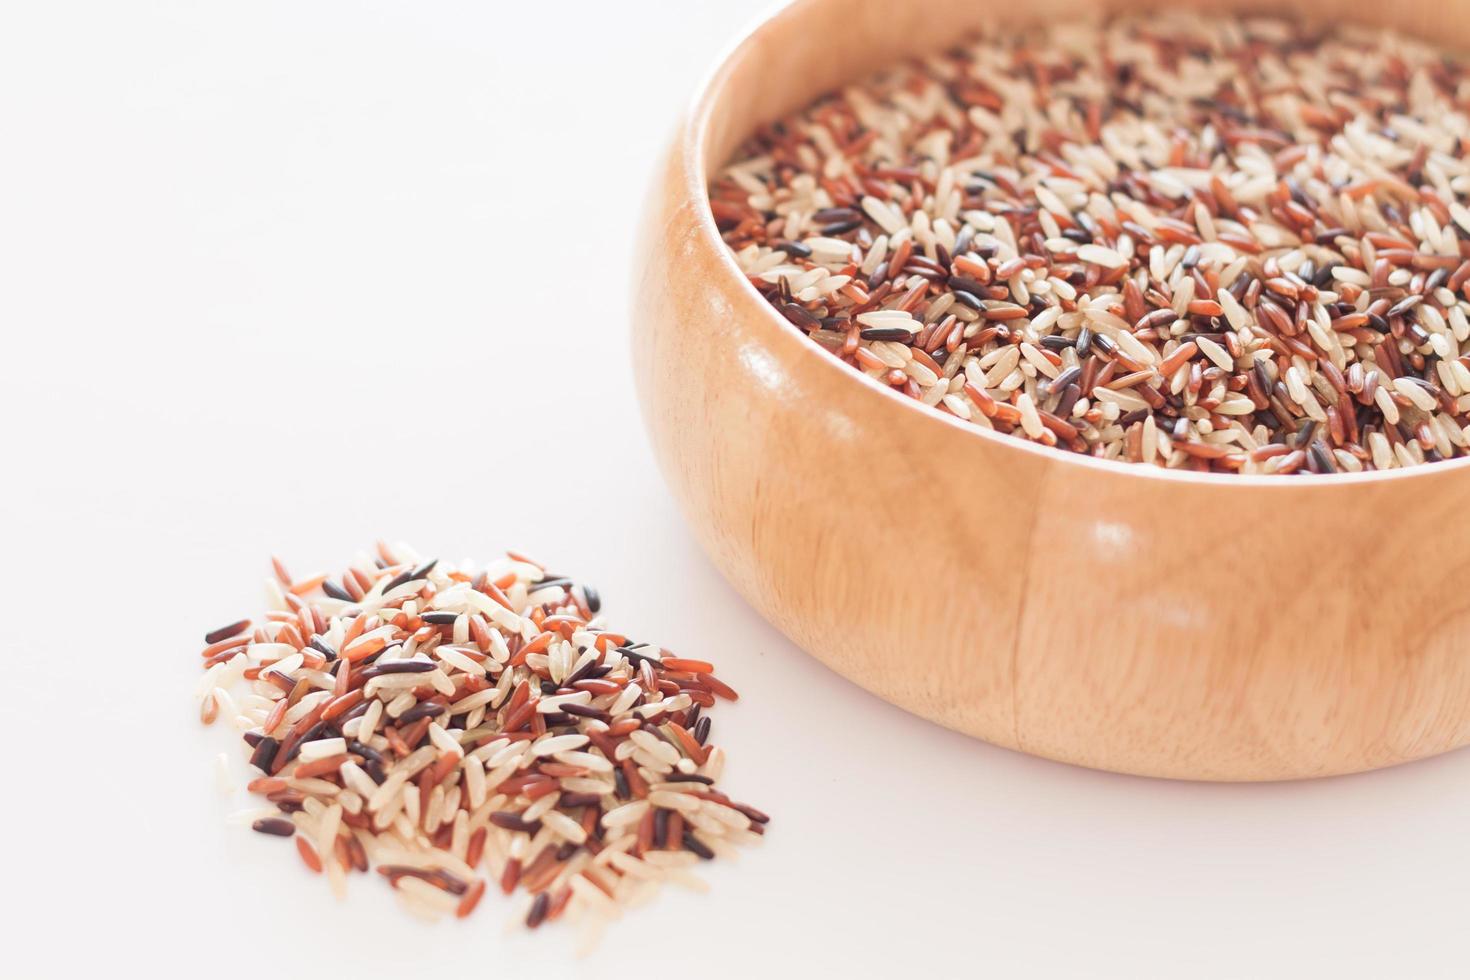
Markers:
point(1226, 245)
point(459, 728)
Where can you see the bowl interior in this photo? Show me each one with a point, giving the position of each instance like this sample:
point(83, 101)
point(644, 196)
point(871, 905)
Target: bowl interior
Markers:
point(811, 47)
point(814, 46)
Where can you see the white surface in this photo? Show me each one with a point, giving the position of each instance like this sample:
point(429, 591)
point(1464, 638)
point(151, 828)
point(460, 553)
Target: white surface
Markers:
point(290, 276)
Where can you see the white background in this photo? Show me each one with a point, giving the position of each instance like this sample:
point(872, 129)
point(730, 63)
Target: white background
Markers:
point(286, 277)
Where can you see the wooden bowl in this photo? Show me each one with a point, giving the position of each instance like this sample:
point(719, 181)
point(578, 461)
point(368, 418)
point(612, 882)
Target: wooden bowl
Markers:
point(1105, 614)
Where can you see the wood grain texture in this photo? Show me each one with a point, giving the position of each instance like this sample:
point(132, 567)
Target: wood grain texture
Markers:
point(1229, 628)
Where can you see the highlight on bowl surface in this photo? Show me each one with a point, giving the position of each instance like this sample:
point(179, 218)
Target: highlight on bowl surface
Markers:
point(1214, 244)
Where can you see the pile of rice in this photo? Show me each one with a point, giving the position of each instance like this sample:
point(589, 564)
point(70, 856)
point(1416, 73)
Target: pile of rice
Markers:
point(456, 727)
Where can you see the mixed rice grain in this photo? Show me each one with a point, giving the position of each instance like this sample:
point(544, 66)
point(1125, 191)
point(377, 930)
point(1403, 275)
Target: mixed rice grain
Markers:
point(1212, 244)
point(461, 727)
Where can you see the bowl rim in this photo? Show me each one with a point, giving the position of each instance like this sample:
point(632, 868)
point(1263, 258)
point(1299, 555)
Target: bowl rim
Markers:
point(693, 151)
